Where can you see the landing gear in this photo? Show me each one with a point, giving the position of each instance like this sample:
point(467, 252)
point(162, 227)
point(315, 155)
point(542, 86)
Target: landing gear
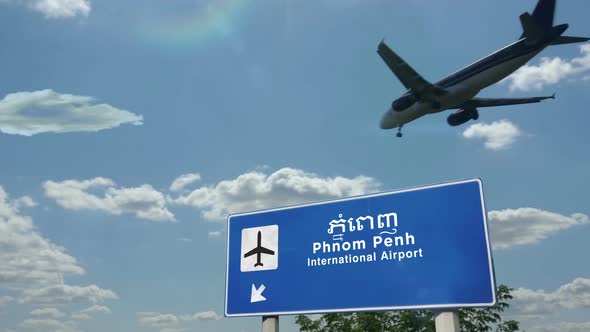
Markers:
point(399, 131)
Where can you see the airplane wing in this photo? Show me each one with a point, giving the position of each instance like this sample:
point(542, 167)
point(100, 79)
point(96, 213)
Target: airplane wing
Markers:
point(492, 102)
point(406, 74)
point(266, 251)
point(262, 250)
point(251, 252)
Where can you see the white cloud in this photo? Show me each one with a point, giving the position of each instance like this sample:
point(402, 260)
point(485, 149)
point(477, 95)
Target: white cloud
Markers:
point(540, 303)
point(52, 312)
point(498, 135)
point(57, 8)
point(46, 111)
point(524, 226)
point(184, 180)
point(88, 312)
point(35, 267)
point(80, 316)
point(550, 71)
point(24, 201)
point(563, 327)
point(144, 201)
point(58, 294)
point(27, 260)
point(50, 325)
point(97, 309)
point(156, 319)
point(170, 322)
point(257, 190)
point(204, 315)
point(215, 234)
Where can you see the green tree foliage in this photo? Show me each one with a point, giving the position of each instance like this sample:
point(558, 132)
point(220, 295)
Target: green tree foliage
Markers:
point(470, 320)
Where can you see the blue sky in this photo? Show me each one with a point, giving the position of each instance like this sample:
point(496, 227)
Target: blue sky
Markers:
point(127, 135)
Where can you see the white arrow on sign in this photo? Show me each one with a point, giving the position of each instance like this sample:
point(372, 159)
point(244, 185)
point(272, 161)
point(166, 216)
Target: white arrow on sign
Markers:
point(257, 294)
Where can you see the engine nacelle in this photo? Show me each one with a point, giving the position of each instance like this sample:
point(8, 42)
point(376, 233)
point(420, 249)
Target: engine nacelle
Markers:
point(461, 116)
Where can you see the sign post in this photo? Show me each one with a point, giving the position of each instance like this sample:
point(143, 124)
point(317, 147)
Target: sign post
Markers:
point(447, 321)
point(270, 323)
point(417, 248)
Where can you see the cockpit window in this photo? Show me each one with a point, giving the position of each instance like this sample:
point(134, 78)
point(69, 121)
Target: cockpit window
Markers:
point(403, 102)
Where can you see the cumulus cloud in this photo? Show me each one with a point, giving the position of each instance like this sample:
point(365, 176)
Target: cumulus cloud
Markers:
point(539, 303)
point(56, 8)
point(203, 315)
point(97, 309)
point(61, 294)
point(172, 323)
point(80, 316)
point(46, 111)
point(88, 312)
point(257, 190)
point(35, 268)
point(524, 226)
point(498, 135)
point(550, 71)
point(51, 312)
point(144, 201)
point(156, 319)
point(563, 327)
point(184, 180)
point(27, 260)
point(25, 201)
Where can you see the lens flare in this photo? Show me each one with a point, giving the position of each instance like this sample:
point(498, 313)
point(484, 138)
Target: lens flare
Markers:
point(195, 25)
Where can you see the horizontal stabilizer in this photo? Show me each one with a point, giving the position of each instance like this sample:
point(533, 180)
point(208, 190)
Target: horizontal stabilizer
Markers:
point(569, 40)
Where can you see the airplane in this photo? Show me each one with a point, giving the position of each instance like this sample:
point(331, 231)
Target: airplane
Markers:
point(458, 90)
point(258, 251)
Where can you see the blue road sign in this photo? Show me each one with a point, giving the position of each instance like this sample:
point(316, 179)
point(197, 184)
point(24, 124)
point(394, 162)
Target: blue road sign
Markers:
point(418, 248)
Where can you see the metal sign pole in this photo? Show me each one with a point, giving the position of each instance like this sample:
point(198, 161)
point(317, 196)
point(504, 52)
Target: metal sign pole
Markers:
point(271, 324)
point(447, 321)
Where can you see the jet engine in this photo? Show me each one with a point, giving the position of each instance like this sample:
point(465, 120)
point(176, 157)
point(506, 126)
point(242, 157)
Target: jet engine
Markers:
point(462, 116)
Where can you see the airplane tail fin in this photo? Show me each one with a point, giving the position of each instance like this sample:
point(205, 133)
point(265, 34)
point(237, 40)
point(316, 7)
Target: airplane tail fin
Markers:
point(538, 27)
point(540, 22)
point(544, 13)
point(532, 31)
point(258, 264)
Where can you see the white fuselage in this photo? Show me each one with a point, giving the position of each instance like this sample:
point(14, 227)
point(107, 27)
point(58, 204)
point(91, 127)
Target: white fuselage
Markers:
point(458, 93)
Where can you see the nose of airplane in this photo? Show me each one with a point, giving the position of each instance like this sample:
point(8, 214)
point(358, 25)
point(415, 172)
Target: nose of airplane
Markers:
point(388, 120)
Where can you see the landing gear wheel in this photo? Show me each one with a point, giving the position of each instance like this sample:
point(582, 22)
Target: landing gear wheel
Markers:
point(399, 135)
point(399, 131)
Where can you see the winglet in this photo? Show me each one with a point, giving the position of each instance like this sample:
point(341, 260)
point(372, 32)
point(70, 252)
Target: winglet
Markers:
point(553, 95)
